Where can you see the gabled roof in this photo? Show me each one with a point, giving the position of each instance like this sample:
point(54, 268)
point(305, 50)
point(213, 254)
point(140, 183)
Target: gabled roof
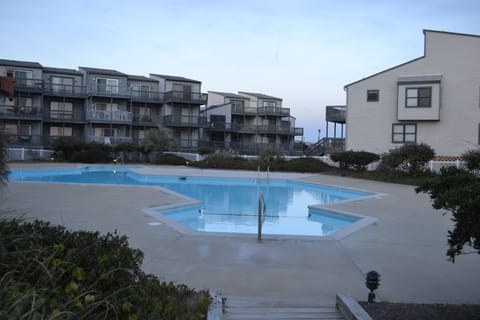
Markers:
point(109, 72)
point(230, 95)
point(425, 31)
point(174, 78)
point(141, 78)
point(259, 95)
point(17, 63)
point(61, 70)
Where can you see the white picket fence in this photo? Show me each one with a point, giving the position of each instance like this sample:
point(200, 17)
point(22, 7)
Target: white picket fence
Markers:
point(28, 154)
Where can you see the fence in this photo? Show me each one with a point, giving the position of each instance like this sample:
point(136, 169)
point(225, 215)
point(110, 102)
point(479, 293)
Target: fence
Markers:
point(28, 154)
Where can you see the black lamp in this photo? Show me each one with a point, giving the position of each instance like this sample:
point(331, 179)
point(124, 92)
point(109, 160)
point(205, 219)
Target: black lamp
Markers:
point(372, 282)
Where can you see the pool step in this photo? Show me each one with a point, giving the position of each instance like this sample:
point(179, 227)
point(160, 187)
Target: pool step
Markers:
point(245, 308)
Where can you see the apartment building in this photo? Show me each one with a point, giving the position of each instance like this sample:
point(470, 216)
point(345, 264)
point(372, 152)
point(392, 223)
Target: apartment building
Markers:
point(249, 123)
point(92, 104)
point(433, 99)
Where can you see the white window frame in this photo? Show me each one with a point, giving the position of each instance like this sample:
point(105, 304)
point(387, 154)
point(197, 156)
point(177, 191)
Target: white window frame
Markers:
point(111, 85)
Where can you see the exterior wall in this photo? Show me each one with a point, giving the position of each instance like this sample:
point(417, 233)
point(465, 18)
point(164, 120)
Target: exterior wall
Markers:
point(369, 124)
point(36, 73)
point(215, 99)
point(77, 79)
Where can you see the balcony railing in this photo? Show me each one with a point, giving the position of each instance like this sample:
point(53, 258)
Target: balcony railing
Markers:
point(109, 91)
point(20, 111)
point(298, 131)
point(29, 84)
point(274, 111)
point(185, 97)
point(336, 114)
point(109, 116)
point(151, 96)
point(109, 139)
point(57, 115)
point(273, 129)
point(64, 90)
point(24, 139)
point(237, 109)
point(144, 119)
point(185, 121)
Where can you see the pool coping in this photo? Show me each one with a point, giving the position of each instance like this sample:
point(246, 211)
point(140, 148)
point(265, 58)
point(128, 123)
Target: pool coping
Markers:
point(186, 201)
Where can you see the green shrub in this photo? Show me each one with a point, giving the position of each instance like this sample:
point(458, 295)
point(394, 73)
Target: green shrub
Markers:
point(49, 272)
point(472, 159)
point(92, 156)
point(357, 160)
point(271, 155)
point(411, 158)
point(125, 147)
point(222, 161)
point(170, 159)
point(65, 147)
point(205, 150)
point(300, 165)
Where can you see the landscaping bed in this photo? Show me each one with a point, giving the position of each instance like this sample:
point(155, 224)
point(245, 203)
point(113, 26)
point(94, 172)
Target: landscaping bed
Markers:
point(413, 311)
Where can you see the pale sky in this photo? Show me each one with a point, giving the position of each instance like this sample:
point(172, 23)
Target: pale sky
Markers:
point(303, 51)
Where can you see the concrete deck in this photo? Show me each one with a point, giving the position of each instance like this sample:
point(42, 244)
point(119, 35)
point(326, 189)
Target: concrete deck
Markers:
point(406, 245)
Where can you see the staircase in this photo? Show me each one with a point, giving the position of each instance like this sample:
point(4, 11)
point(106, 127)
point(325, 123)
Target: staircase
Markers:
point(325, 145)
point(249, 308)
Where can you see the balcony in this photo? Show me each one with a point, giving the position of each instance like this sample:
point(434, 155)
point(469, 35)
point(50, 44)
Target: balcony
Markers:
point(147, 96)
point(23, 140)
point(298, 131)
point(274, 111)
point(20, 112)
point(185, 121)
point(64, 116)
point(238, 109)
point(109, 116)
point(64, 90)
point(114, 140)
point(337, 114)
point(185, 97)
point(29, 85)
point(145, 120)
point(109, 91)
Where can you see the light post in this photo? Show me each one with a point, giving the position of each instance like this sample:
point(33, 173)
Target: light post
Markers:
point(372, 282)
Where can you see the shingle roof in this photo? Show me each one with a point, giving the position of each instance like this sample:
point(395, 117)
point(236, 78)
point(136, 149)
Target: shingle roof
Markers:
point(229, 95)
point(259, 95)
point(17, 63)
point(141, 78)
point(109, 72)
point(61, 70)
point(174, 78)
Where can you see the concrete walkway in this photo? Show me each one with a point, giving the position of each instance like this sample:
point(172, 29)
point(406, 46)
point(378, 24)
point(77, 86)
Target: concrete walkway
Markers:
point(406, 246)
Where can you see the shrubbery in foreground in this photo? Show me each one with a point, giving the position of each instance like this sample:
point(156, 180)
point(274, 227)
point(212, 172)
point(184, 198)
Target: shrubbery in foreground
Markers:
point(48, 272)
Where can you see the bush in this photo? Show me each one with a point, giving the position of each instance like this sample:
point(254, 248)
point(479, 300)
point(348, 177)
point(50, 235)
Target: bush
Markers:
point(65, 147)
point(94, 152)
point(271, 155)
point(411, 158)
point(49, 272)
point(300, 165)
point(170, 159)
point(222, 161)
point(205, 150)
point(472, 159)
point(357, 160)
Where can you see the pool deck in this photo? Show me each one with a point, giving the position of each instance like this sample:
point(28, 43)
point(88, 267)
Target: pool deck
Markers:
point(406, 245)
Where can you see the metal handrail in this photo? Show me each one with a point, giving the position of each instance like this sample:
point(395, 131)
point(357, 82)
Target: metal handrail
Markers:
point(262, 212)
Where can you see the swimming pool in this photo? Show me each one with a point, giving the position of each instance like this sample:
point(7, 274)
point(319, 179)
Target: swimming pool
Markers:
point(224, 204)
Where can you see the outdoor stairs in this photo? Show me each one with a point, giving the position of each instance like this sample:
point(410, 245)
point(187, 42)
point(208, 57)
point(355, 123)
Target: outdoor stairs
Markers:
point(249, 308)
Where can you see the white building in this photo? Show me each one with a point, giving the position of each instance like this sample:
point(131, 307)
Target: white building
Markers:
point(434, 99)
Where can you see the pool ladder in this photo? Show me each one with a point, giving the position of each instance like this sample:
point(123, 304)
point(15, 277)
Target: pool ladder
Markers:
point(262, 212)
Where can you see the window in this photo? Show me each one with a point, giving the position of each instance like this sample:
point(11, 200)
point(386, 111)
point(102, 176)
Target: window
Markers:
point(269, 103)
point(402, 133)
point(105, 132)
point(419, 97)
point(61, 84)
point(372, 95)
point(140, 90)
point(61, 110)
point(237, 103)
point(110, 107)
point(142, 114)
point(23, 78)
point(105, 85)
point(60, 131)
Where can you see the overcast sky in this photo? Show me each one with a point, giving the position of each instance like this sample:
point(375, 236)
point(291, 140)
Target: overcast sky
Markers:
point(303, 51)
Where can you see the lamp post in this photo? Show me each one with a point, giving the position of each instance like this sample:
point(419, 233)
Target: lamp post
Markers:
point(319, 131)
point(372, 281)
